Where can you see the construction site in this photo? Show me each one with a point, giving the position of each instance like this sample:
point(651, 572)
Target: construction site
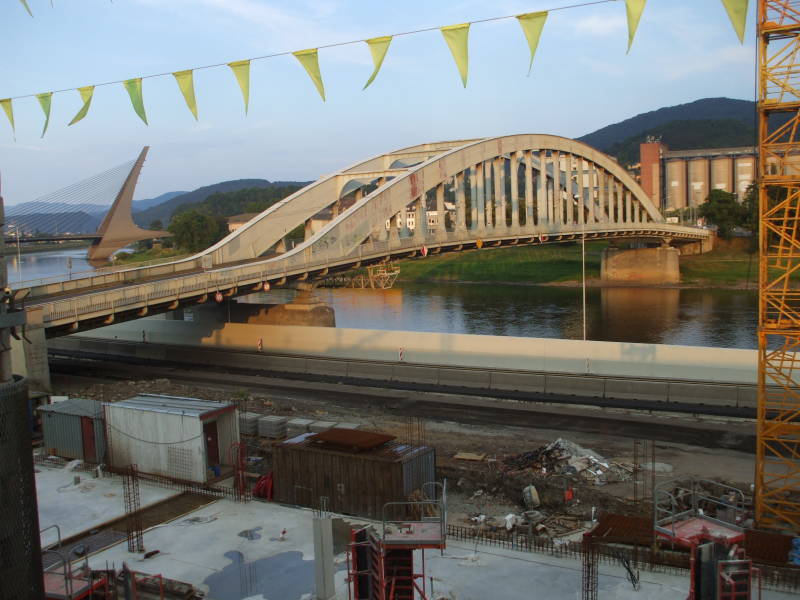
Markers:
point(135, 480)
point(241, 494)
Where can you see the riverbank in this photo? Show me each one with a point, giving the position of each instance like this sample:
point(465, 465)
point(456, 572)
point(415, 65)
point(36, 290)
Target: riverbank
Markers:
point(44, 247)
point(728, 266)
point(124, 258)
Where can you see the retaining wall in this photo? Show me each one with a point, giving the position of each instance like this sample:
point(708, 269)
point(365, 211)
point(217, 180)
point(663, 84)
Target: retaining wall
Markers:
point(658, 373)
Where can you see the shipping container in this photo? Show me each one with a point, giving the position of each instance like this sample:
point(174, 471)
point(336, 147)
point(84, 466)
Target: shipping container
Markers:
point(74, 429)
point(358, 474)
point(185, 439)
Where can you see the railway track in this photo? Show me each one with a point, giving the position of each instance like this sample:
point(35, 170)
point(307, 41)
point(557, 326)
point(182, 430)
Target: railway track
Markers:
point(536, 411)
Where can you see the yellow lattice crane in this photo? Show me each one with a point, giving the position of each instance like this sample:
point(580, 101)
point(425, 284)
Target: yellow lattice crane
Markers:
point(777, 493)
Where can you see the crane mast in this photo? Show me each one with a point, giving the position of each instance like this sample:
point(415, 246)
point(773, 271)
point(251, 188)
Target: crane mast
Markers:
point(777, 476)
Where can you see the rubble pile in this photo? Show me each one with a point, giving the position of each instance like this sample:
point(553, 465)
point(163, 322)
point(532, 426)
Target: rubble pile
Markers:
point(563, 457)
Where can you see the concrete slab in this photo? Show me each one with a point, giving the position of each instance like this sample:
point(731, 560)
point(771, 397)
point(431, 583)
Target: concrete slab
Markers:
point(77, 508)
point(234, 551)
point(499, 573)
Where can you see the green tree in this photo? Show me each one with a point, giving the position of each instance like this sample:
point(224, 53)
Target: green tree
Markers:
point(750, 215)
point(722, 210)
point(194, 231)
point(156, 225)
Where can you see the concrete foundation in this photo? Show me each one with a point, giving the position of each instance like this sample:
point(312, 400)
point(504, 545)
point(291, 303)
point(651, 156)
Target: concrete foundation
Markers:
point(640, 265)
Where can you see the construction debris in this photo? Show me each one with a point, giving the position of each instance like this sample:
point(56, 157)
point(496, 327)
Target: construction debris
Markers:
point(470, 456)
point(563, 457)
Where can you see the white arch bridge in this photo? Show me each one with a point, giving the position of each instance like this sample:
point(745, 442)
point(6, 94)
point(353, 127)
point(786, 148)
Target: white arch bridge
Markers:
point(445, 196)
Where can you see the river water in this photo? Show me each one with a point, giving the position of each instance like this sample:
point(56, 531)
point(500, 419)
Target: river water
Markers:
point(694, 317)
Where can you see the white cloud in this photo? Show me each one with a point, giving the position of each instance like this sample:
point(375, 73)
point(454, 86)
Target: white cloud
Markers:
point(601, 25)
point(717, 60)
point(288, 28)
point(601, 66)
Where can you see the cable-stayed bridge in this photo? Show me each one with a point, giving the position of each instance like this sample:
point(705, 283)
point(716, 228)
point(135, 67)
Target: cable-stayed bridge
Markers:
point(426, 199)
point(97, 209)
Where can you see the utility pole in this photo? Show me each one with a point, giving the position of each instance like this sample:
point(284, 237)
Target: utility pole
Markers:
point(20, 550)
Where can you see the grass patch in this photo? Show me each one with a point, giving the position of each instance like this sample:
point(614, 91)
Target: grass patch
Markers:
point(147, 255)
point(727, 264)
point(523, 264)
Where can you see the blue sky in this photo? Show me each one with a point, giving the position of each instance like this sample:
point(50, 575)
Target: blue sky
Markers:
point(581, 80)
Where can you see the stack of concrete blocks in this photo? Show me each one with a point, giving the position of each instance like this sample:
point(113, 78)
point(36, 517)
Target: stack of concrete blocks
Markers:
point(347, 426)
point(272, 426)
point(297, 426)
point(320, 426)
point(248, 423)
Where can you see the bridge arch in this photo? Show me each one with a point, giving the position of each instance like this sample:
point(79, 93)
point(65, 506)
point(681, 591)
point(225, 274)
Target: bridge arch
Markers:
point(485, 188)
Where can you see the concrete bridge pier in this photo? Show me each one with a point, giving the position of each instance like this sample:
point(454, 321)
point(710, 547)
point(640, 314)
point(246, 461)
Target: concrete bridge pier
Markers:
point(29, 354)
point(640, 265)
point(306, 309)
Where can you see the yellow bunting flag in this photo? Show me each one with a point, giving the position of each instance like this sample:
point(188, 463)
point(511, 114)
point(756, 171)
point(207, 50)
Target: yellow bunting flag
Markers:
point(28, 8)
point(45, 101)
point(634, 8)
point(310, 61)
point(185, 81)
point(86, 97)
point(7, 106)
point(377, 47)
point(134, 88)
point(456, 37)
point(241, 70)
point(532, 25)
point(737, 11)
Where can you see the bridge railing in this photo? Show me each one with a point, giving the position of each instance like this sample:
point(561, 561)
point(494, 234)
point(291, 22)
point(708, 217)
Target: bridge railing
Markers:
point(306, 258)
point(99, 271)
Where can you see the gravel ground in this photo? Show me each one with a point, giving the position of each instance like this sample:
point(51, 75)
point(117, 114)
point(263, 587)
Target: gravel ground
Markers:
point(475, 487)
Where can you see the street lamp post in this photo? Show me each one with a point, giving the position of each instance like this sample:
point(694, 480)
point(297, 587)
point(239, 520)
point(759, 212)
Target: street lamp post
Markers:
point(19, 265)
point(583, 274)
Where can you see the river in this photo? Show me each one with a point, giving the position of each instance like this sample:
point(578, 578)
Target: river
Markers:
point(694, 317)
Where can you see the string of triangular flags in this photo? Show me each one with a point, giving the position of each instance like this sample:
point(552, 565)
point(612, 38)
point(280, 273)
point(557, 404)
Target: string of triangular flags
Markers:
point(455, 36)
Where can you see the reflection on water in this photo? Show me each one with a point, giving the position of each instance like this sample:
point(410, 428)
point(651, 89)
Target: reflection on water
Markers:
point(722, 318)
point(39, 265)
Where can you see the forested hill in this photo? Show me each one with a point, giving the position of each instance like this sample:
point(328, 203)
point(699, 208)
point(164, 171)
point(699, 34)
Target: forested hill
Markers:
point(687, 135)
point(740, 111)
point(163, 212)
point(247, 200)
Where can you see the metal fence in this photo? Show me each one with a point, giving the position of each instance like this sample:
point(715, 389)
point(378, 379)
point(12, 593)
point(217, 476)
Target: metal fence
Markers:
point(782, 579)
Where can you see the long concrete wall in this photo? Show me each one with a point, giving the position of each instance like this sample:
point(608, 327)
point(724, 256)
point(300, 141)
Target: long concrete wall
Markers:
point(686, 374)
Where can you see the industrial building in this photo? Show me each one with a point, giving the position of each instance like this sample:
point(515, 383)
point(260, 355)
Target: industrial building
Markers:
point(684, 178)
point(185, 439)
point(74, 428)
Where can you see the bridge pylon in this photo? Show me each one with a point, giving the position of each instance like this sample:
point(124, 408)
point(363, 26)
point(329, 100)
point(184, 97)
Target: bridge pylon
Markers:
point(118, 229)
